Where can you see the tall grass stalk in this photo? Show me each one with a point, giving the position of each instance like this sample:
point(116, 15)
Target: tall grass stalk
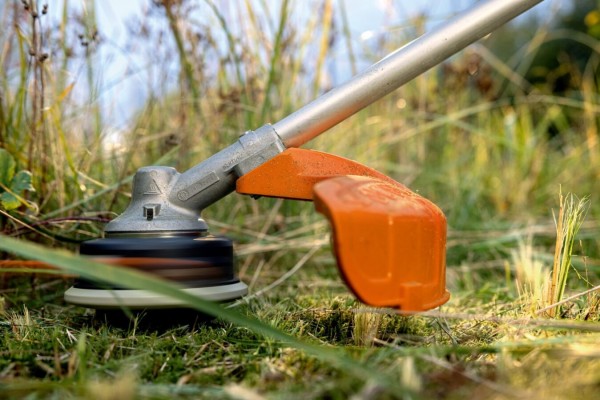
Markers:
point(275, 59)
point(324, 46)
point(94, 78)
point(571, 214)
point(233, 54)
point(186, 65)
point(531, 276)
point(348, 37)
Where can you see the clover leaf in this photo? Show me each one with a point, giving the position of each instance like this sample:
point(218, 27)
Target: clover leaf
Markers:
point(12, 186)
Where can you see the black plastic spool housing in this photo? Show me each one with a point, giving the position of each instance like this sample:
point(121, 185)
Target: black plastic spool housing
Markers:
point(213, 255)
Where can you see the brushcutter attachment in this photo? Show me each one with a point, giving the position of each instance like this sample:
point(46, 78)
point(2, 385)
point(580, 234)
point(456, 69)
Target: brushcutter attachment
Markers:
point(389, 242)
point(202, 265)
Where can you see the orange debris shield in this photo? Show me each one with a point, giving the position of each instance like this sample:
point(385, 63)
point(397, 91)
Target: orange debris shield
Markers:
point(389, 242)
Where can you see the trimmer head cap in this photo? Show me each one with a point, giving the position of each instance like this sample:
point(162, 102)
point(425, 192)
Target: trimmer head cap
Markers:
point(203, 265)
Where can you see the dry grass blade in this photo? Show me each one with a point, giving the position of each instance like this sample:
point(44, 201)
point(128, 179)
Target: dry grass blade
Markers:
point(325, 39)
point(275, 58)
point(568, 299)
point(366, 325)
point(570, 217)
point(281, 279)
point(183, 58)
point(531, 276)
point(588, 326)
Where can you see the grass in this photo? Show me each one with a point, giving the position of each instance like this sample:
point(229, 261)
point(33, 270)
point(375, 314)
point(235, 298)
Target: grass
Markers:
point(496, 159)
point(570, 217)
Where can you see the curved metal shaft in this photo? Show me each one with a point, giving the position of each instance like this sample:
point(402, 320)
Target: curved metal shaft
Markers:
point(397, 69)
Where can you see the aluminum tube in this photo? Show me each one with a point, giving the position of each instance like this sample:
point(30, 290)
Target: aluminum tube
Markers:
point(397, 69)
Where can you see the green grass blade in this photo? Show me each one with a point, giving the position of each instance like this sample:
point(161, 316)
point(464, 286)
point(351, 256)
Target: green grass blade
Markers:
point(275, 59)
point(92, 270)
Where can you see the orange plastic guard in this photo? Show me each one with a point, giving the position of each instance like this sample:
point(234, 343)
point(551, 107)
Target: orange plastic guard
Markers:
point(389, 242)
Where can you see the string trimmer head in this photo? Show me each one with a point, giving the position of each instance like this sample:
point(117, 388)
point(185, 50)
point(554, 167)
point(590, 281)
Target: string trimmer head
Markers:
point(389, 242)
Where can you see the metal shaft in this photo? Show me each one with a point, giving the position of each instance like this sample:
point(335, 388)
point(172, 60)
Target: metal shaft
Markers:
point(397, 69)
